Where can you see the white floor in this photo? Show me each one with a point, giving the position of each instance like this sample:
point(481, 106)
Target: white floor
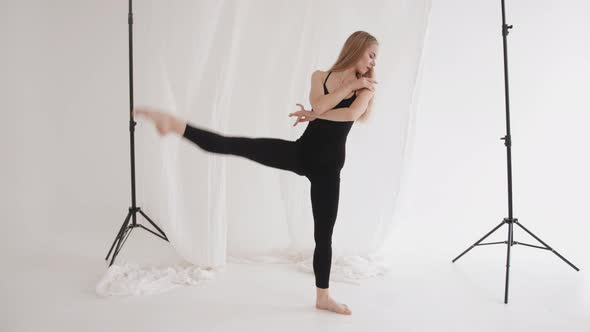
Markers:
point(51, 288)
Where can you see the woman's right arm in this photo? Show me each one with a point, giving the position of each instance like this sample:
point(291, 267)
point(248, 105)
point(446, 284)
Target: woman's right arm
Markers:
point(321, 103)
point(352, 113)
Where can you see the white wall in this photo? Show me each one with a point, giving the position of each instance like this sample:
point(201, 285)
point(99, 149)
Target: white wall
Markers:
point(456, 190)
point(64, 80)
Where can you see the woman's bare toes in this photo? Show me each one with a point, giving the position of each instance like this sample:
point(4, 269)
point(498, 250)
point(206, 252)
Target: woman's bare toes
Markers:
point(162, 121)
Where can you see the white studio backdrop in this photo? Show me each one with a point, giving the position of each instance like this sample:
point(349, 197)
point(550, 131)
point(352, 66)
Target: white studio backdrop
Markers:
point(238, 68)
point(65, 140)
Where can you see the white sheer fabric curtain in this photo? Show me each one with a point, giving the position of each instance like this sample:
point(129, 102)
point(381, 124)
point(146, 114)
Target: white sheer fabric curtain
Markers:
point(238, 68)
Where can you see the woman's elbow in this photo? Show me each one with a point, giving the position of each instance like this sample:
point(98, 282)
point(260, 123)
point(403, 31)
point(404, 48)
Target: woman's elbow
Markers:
point(318, 109)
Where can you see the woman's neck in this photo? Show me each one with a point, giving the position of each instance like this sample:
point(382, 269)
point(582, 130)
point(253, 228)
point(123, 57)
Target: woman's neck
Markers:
point(347, 75)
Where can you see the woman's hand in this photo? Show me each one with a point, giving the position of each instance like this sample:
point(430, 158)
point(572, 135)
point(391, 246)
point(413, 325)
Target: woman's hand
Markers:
point(362, 83)
point(303, 115)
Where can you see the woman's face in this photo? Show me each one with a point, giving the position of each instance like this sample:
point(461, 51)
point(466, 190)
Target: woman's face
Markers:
point(368, 59)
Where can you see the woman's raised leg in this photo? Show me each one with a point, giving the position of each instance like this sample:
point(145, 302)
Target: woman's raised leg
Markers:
point(272, 152)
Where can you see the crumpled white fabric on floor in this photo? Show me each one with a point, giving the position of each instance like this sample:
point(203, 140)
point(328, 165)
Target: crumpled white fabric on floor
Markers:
point(238, 68)
point(133, 279)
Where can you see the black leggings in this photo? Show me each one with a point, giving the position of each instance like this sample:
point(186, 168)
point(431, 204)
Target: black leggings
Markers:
point(282, 154)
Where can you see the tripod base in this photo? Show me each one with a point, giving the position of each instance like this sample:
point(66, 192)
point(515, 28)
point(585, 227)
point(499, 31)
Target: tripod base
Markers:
point(126, 229)
point(510, 242)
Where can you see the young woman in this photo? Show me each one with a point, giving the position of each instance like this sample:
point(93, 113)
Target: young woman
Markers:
point(338, 98)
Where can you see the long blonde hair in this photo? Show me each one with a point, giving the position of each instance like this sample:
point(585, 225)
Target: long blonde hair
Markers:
point(354, 48)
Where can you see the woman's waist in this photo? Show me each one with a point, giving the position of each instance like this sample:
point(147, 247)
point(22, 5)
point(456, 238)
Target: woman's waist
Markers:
point(324, 136)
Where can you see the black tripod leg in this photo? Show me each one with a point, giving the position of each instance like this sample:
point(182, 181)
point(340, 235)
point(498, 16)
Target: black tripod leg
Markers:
point(149, 230)
point(476, 243)
point(153, 224)
point(119, 235)
point(508, 246)
point(122, 239)
point(546, 245)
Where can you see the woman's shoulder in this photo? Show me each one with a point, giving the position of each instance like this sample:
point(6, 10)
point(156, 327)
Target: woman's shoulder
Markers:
point(319, 75)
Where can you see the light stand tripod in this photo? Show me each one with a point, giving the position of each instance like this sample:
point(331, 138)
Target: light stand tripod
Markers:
point(126, 228)
point(508, 143)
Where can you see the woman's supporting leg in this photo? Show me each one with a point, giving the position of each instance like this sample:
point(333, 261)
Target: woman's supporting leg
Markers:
point(272, 152)
point(325, 193)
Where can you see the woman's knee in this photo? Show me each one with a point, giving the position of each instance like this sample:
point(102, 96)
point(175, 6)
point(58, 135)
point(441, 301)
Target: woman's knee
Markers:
point(323, 240)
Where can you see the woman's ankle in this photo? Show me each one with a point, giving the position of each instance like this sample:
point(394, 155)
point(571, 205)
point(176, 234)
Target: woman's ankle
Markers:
point(178, 126)
point(322, 293)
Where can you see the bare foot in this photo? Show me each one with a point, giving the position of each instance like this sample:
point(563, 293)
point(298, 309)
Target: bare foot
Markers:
point(164, 122)
point(328, 303)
